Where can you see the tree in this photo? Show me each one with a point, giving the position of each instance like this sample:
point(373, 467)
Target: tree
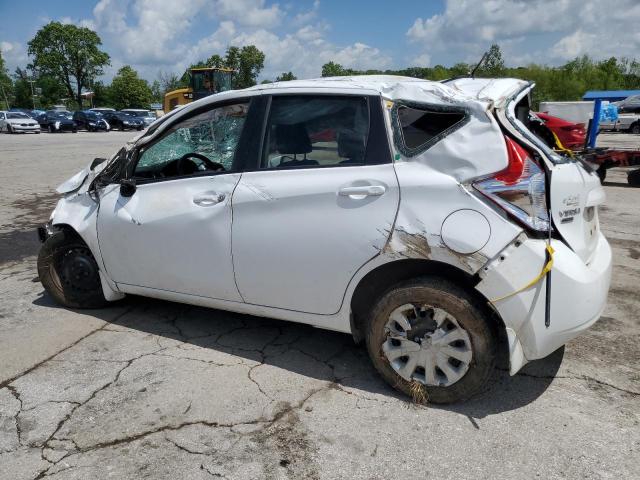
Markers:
point(493, 65)
point(333, 69)
point(6, 85)
point(214, 60)
point(69, 53)
point(170, 81)
point(128, 90)
point(250, 62)
point(286, 76)
point(156, 92)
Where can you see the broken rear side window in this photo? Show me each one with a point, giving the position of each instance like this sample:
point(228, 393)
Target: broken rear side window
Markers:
point(416, 128)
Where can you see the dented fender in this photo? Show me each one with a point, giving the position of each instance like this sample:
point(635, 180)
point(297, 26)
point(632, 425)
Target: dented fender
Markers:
point(79, 211)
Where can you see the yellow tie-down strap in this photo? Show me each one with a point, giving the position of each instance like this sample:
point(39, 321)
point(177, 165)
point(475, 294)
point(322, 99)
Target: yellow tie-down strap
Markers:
point(546, 269)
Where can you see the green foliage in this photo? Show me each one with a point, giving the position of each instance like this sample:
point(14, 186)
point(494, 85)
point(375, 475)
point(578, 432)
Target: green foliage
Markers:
point(6, 85)
point(333, 69)
point(493, 65)
point(70, 54)
point(48, 90)
point(247, 62)
point(250, 62)
point(157, 95)
point(129, 91)
point(285, 77)
point(565, 83)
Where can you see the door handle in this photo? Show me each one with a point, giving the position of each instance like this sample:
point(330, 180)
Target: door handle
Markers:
point(208, 200)
point(364, 191)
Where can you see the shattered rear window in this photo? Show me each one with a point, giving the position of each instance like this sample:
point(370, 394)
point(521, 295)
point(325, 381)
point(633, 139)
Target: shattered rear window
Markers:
point(418, 127)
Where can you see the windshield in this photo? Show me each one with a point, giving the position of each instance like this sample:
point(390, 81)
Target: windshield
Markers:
point(17, 115)
point(58, 115)
point(93, 116)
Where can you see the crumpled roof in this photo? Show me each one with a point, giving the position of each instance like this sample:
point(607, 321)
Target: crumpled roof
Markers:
point(484, 90)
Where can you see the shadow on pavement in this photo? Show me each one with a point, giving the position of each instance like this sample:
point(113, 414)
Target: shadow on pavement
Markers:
point(337, 358)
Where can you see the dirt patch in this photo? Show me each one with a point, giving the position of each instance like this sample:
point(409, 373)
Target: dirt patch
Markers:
point(287, 439)
point(21, 240)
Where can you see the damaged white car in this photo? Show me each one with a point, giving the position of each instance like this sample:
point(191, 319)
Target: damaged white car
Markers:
point(421, 217)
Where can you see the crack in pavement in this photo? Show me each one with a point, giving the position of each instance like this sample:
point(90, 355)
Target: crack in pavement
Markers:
point(51, 357)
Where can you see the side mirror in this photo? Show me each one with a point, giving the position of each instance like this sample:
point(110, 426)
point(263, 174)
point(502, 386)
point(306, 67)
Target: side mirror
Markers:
point(127, 187)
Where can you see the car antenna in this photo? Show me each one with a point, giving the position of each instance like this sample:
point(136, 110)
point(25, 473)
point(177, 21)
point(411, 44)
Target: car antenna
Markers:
point(473, 72)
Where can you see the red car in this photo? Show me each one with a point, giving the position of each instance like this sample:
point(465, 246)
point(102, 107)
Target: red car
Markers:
point(571, 135)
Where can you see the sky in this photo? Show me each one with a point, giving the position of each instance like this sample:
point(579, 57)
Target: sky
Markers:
point(167, 36)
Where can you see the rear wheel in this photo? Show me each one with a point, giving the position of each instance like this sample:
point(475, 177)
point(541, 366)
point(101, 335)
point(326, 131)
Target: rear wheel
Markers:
point(635, 128)
point(429, 339)
point(9, 129)
point(69, 272)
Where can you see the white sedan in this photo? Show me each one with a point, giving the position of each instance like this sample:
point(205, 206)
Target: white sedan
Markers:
point(15, 122)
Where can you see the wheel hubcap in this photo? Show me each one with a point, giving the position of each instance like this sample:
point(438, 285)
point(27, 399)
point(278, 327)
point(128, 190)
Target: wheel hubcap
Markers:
point(426, 344)
point(78, 270)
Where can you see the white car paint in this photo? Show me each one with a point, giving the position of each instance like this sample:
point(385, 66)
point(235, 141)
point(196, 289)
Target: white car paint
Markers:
point(289, 245)
point(23, 124)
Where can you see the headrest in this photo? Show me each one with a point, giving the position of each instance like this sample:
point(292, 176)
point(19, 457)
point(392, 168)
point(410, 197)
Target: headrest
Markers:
point(351, 145)
point(292, 139)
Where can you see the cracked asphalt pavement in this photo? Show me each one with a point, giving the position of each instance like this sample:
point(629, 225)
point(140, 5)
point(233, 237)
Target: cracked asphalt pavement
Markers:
point(152, 389)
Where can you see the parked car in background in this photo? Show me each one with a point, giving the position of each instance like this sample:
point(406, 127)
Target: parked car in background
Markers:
point(572, 135)
point(123, 121)
point(90, 121)
point(629, 104)
point(55, 121)
point(102, 110)
point(15, 122)
point(628, 120)
point(421, 217)
point(147, 116)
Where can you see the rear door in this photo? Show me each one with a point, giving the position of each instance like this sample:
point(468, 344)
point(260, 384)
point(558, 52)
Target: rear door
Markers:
point(319, 204)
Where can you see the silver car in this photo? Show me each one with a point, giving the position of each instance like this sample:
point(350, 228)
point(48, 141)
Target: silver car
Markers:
point(15, 122)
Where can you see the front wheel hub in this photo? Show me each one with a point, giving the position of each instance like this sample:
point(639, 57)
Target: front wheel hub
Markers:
point(427, 344)
point(78, 269)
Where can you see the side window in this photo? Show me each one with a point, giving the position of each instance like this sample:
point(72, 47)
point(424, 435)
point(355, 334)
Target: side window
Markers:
point(316, 131)
point(204, 142)
point(418, 128)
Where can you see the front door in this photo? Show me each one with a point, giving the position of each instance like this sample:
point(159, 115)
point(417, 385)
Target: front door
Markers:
point(174, 232)
point(319, 205)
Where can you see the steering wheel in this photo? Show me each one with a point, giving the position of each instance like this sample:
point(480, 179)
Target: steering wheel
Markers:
point(211, 165)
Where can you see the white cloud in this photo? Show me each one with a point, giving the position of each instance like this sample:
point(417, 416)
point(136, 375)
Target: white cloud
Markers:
point(14, 55)
point(466, 28)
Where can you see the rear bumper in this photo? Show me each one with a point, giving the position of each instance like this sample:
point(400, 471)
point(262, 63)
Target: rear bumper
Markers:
point(578, 294)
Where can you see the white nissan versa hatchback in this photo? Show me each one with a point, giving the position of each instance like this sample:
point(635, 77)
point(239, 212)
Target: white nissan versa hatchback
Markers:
point(423, 218)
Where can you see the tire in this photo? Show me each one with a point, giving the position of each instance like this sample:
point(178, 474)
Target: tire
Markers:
point(635, 128)
point(37, 132)
point(69, 272)
point(633, 178)
point(435, 296)
point(602, 173)
point(51, 129)
point(9, 129)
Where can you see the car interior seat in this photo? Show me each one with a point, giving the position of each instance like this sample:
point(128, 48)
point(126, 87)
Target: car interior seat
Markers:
point(294, 140)
point(351, 146)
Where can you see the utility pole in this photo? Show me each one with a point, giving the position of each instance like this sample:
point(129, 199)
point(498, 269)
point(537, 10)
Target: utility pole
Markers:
point(33, 96)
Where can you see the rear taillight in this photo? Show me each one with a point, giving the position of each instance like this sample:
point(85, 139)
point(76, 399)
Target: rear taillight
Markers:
point(520, 189)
